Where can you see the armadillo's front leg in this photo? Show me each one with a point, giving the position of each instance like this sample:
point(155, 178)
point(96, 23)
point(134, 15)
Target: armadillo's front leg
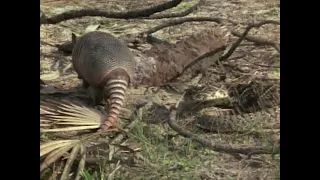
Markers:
point(85, 84)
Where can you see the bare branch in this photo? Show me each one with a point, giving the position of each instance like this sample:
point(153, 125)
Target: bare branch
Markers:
point(179, 14)
point(215, 146)
point(262, 65)
point(259, 41)
point(211, 53)
point(45, 43)
point(152, 40)
point(117, 15)
point(196, 60)
point(67, 47)
point(243, 36)
point(181, 21)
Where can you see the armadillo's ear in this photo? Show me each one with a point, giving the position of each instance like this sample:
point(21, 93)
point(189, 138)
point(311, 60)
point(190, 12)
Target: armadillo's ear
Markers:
point(74, 38)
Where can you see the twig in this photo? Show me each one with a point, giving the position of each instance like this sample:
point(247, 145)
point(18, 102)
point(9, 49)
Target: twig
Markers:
point(243, 36)
point(68, 165)
point(259, 41)
point(178, 14)
point(181, 21)
point(196, 60)
point(129, 127)
point(261, 65)
point(151, 39)
point(214, 146)
point(238, 57)
point(117, 15)
point(45, 43)
point(211, 53)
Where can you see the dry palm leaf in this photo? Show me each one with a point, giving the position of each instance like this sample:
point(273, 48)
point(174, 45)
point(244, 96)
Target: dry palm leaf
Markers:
point(54, 150)
point(68, 115)
point(81, 162)
point(72, 157)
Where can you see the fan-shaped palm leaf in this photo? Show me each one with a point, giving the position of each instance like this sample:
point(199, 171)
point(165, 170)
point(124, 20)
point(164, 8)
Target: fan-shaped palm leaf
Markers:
point(58, 150)
point(47, 147)
point(68, 115)
point(55, 149)
point(72, 157)
point(83, 152)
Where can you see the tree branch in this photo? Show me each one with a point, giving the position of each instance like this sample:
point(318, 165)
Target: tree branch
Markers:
point(117, 15)
point(178, 14)
point(181, 21)
point(196, 60)
point(243, 36)
point(211, 53)
point(154, 40)
point(259, 41)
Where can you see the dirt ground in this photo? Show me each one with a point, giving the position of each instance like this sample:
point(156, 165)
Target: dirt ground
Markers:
point(162, 154)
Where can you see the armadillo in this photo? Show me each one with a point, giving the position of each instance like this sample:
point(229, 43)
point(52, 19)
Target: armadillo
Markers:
point(106, 65)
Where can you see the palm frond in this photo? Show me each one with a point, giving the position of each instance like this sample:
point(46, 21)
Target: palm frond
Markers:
point(83, 152)
point(68, 115)
point(49, 146)
point(55, 150)
point(76, 128)
point(72, 157)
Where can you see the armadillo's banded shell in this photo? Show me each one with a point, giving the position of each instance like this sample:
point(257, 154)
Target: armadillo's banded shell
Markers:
point(95, 54)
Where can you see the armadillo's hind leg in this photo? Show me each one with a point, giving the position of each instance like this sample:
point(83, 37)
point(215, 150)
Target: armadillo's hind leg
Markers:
point(96, 96)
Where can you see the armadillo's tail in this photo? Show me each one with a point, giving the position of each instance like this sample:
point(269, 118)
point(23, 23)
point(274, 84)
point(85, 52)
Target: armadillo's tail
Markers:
point(116, 89)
